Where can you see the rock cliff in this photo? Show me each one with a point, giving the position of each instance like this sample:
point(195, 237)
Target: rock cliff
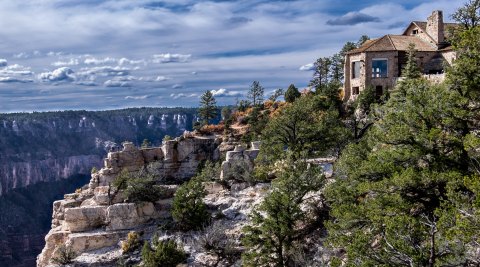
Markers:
point(90, 220)
point(44, 155)
point(95, 222)
point(48, 146)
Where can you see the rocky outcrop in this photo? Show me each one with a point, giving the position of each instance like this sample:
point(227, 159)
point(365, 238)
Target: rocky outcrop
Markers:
point(93, 219)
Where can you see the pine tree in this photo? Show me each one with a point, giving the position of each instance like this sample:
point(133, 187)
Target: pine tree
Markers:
point(277, 223)
point(256, 93)
point(188, 209)
point(411, 70)
point(306, 126)
point(291, 94)
point(322, 75)
point(208, 108)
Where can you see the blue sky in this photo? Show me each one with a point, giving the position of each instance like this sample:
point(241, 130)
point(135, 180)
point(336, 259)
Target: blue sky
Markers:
point(105, 54)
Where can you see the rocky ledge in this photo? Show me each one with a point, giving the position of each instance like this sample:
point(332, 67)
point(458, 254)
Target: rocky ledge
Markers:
point(93, 222)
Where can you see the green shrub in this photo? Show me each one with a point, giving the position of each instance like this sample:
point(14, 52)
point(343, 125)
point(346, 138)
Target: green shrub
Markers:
point(138, 186)
point(65, 255)
point(167, 138)
point(146, 143)
point(133, 242)
point(188, 209)
point(94, 170)
point(210, 171)
point(162, 253)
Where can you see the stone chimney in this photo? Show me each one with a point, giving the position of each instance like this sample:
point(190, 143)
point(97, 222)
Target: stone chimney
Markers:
point(435, 27)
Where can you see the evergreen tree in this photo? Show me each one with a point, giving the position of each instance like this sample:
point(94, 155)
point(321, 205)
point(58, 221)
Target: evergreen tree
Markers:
point(306, 126)
point(276, 94)
point(275, 235)
point(392, 185)
point(208, 108)
point(363, 39)
point(468, 15)
point(408, 193)
point(411, 70)
point(188, 209)
point(291, 94)
point(322, 75)
point(256, 93)
point(226, 113)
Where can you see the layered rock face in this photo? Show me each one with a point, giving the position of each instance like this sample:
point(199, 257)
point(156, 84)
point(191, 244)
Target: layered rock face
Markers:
point(92, 219)
point(44, 151)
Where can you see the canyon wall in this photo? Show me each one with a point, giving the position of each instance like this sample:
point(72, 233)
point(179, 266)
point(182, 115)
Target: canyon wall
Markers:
point(54, 152)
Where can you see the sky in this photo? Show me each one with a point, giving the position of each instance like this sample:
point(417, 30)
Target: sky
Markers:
point(106, 54)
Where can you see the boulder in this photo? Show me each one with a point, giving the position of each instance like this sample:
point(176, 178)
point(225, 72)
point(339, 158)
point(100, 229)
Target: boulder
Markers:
point(85, 218)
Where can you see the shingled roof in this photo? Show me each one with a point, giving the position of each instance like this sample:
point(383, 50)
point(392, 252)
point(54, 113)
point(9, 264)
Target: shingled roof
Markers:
point(394, 43)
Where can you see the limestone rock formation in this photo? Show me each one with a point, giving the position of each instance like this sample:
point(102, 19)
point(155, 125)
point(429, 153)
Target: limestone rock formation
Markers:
point(95, 219)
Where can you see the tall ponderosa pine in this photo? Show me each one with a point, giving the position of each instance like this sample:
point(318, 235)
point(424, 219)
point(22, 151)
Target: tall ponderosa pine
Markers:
point(408, 193)
point(323, 74)
point(256, 93)
point(208, 107)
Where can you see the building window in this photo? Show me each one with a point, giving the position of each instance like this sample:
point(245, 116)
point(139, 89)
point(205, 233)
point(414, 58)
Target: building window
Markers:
point(415, 32)
point(379, 68)
point(356, 69)
point(355, 90)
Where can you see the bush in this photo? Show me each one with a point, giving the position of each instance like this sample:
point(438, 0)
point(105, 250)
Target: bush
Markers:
point(138, 186)
point(133, 242)
point(209, 172)
point(94, 170)
point(162, 253)
point(211, 129)
point(240, 171)
point(146, 143)
point(167, 138)
point(215, 241)
point(188, 209)
point(65, 255)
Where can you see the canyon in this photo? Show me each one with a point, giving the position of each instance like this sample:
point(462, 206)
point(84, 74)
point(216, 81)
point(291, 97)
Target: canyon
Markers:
point(45, 155)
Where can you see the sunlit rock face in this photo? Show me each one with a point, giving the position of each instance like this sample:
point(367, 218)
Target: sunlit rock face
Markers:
point(53, 147)
point(89, 220)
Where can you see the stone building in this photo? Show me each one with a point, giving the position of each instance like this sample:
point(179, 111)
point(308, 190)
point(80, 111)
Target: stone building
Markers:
point(379, 62)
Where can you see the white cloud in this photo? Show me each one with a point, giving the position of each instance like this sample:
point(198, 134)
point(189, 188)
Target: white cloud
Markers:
point(168, 58)
point(222, 92)
point(21, 55)
point(138, 97)
point(15, 74)
point(87, 83)
point(105, 71)
point(71, 62)
point(177, 86)
point(3, 62)
point(99, 61)
point(60, 74)
point(14, 80)
point(307, 67)
point(126, 61)
point(161, 79)
point(182, 95)
point(116, 83)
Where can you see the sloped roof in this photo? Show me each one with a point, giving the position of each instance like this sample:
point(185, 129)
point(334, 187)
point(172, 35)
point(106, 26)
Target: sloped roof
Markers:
point(422, 25)
point(394, 43)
